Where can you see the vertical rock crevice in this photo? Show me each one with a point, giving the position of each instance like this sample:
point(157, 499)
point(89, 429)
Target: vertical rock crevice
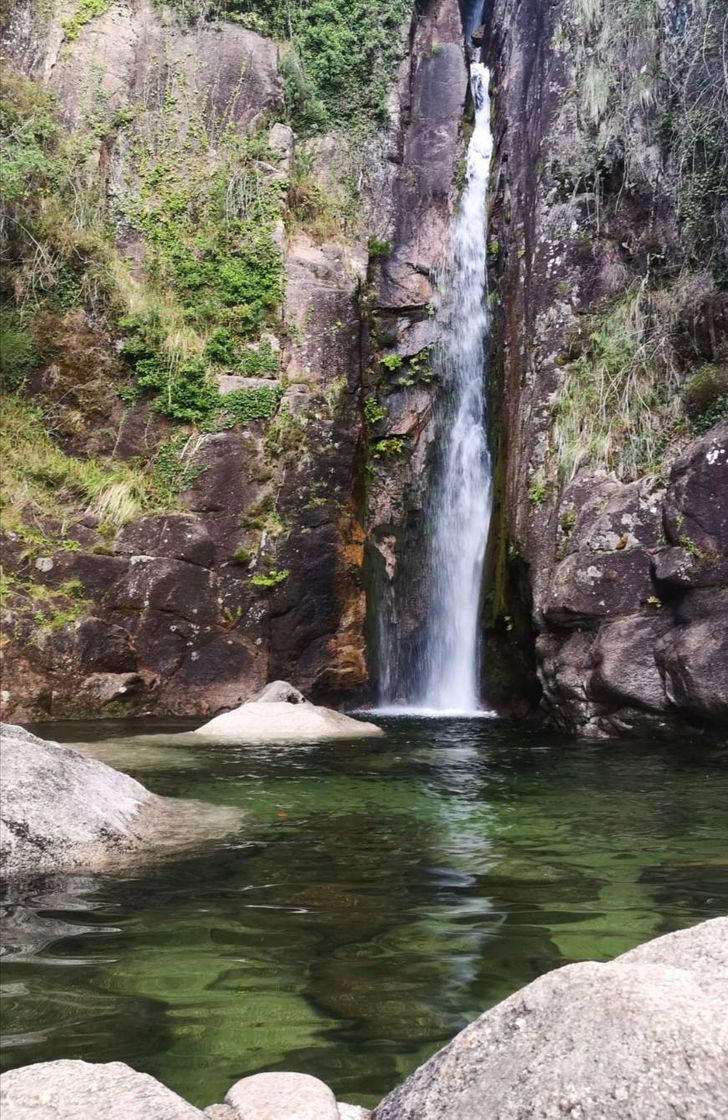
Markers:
point(404, 325)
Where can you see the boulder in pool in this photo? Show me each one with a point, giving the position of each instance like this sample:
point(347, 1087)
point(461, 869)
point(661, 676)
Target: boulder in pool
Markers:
point(74, 1090)
point(641, 1038)
point(279, 713)
point(62, 811)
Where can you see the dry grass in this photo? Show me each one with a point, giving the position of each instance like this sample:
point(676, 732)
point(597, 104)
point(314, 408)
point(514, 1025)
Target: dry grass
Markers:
point(142, 300)
point(618, 403)
point(40, 482)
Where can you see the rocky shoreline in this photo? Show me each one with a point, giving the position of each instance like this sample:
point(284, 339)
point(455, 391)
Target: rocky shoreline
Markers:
point(644, 1037)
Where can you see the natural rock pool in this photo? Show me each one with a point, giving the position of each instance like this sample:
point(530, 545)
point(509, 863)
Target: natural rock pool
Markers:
point(382, 895)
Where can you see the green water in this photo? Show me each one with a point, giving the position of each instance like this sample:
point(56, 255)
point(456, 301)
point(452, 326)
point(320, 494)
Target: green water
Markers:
point(382, 894)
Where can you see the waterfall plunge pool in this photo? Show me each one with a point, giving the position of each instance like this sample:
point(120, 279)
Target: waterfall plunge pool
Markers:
point(383, 894)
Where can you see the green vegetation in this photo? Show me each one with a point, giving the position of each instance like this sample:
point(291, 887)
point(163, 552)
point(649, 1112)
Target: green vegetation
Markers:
point(17, 354)
point(705, 395)
point(57, 607)
point(44, 487)
point(392, 445)
point(53, 248)
point(286, 435)
point(539, 488)
point(373, 412)
point(50, 608)
point(267, 580)
point(341, 59)
point(630, 392)
point(258, 361)
point(339, 55)
point(85, 11)
point(171, 472)
point(242, 405)
point(418, 369)
point(323, 201)
point(717, 411)
point(213, 273)
point(378, 248)
point(230, 617)
point(213, 277)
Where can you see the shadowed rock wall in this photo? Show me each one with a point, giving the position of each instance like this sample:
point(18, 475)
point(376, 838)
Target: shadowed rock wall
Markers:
point(612, 503)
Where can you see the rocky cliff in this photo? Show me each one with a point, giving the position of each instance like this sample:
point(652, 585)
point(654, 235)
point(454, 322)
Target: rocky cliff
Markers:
point(608, 245)
point(191, 291)
point(184, 425)
point(220, 315)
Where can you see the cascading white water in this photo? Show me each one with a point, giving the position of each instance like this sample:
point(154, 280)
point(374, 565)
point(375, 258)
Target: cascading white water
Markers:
point(461, 510)
point(445, 674)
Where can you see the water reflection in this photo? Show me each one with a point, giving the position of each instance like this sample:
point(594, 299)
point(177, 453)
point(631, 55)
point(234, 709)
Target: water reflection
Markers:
point(383, 893)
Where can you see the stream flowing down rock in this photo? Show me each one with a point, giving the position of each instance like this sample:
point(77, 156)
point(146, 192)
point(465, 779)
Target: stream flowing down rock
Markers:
point(60, 810)
point(281, 712)
point(72, 1090)
point(642, 1038)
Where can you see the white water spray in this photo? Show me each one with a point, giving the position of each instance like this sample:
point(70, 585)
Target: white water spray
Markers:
point(445, 676)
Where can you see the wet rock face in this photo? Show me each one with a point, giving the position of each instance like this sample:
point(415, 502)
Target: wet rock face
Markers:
point(403, 324)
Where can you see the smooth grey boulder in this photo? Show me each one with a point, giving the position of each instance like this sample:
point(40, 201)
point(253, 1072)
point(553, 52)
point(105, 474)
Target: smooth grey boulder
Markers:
point(73, 1090)
point(280, 712)
point(282, 1096)
point(642, 1038)
point(280, 692)
point(60, 810)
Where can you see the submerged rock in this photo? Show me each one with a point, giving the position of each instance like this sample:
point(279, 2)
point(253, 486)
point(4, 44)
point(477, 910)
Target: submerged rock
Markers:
point(279, 712)
point(60, 810)
point(643, 1037)
point(72, 1090)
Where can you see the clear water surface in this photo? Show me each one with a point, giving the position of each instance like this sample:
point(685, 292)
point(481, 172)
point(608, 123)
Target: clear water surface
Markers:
point(382, 894)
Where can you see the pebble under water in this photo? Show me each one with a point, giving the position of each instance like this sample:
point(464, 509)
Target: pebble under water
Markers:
point(382, 895)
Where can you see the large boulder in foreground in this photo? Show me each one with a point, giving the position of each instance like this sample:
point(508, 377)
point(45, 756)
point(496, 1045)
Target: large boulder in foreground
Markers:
point(282, 1096)
point(71, 1090)
point(642, 1038)
point(61, 811)
point(281, 712)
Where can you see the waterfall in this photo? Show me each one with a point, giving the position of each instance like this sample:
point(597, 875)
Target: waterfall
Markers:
point(445, 671)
